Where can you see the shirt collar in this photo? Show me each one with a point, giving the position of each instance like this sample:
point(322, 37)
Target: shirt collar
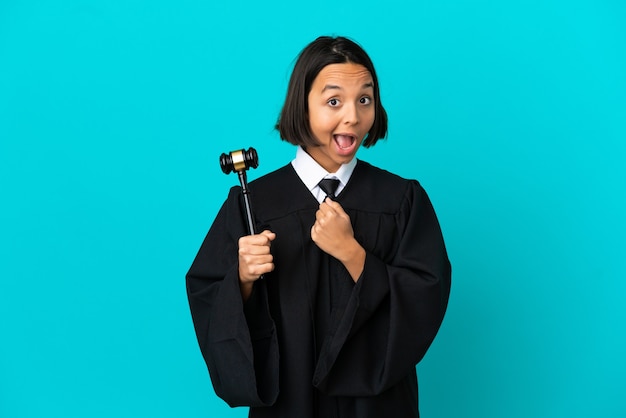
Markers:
point(310, 172)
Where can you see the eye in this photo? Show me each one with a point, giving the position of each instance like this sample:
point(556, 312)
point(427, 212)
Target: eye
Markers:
point(333, 102)
point(365, 100)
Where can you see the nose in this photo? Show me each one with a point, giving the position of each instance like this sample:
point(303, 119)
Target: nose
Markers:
point(351, 115)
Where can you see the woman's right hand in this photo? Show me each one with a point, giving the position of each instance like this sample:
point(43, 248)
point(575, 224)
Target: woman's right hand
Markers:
point(255, 259)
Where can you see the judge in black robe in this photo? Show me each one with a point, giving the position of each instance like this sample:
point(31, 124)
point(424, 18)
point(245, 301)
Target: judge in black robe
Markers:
point(309, 342)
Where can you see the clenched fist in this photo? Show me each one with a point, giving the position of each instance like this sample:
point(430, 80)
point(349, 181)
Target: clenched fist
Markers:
point(332, 232)
point(255, 259)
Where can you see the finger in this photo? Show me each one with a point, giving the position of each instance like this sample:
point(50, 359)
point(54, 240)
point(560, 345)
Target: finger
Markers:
point(250, 251)
point(314, 232)
point(252, 272)
point(322, 219)
point(325, 210)
point(253, 258)
point(319, 214)
point(271, 236)
point(258, 239)
point(335, 206)
point(254, 251)
point(254, 261)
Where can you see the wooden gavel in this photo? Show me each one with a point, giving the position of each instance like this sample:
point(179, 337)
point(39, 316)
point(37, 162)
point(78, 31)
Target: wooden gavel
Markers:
point(239, 161)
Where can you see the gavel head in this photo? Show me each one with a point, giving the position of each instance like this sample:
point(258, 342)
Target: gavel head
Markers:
point(239, 160)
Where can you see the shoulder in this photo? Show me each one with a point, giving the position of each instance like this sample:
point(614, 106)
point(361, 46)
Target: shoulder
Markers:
point(279, 193)
point(375, 189)
point(276, 182)
point(268, 185)
point(379, 177)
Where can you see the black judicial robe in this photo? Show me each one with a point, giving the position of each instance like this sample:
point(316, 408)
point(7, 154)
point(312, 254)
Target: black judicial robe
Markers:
point(311, 343)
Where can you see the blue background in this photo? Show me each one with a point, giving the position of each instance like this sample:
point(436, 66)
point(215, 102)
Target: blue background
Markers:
point(113, 115)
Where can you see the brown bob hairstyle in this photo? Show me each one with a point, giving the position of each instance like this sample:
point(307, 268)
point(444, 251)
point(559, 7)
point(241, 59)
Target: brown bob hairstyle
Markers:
point(293, 122)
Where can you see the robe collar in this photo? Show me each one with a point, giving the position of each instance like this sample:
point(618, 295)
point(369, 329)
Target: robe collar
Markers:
point(310, 172)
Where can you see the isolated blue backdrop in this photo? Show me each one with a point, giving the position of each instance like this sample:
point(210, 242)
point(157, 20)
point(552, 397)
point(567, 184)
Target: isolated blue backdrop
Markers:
point(113, 115)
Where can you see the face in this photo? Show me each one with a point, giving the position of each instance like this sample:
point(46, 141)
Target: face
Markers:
point(341, 113)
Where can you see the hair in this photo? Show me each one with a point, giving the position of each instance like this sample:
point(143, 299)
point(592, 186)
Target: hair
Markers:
point(293, 122)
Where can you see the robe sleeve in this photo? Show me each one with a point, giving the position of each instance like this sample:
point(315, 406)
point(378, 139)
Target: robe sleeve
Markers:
point(394, 311)
point(238, 342)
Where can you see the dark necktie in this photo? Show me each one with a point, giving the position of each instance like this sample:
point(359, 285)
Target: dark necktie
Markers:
point(329, 186)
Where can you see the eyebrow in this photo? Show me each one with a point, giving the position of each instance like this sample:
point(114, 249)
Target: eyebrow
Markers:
point(335, 87)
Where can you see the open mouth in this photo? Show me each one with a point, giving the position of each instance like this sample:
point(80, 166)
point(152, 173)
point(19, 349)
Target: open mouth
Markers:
point(344, 141)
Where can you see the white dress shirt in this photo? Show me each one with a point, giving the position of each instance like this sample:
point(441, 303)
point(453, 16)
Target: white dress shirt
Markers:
point(310, 172)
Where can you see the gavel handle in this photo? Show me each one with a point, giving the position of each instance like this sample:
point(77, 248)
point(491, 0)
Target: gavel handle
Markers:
point(246, 200)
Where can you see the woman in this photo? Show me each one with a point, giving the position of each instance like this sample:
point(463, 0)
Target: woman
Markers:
point(356, 275)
